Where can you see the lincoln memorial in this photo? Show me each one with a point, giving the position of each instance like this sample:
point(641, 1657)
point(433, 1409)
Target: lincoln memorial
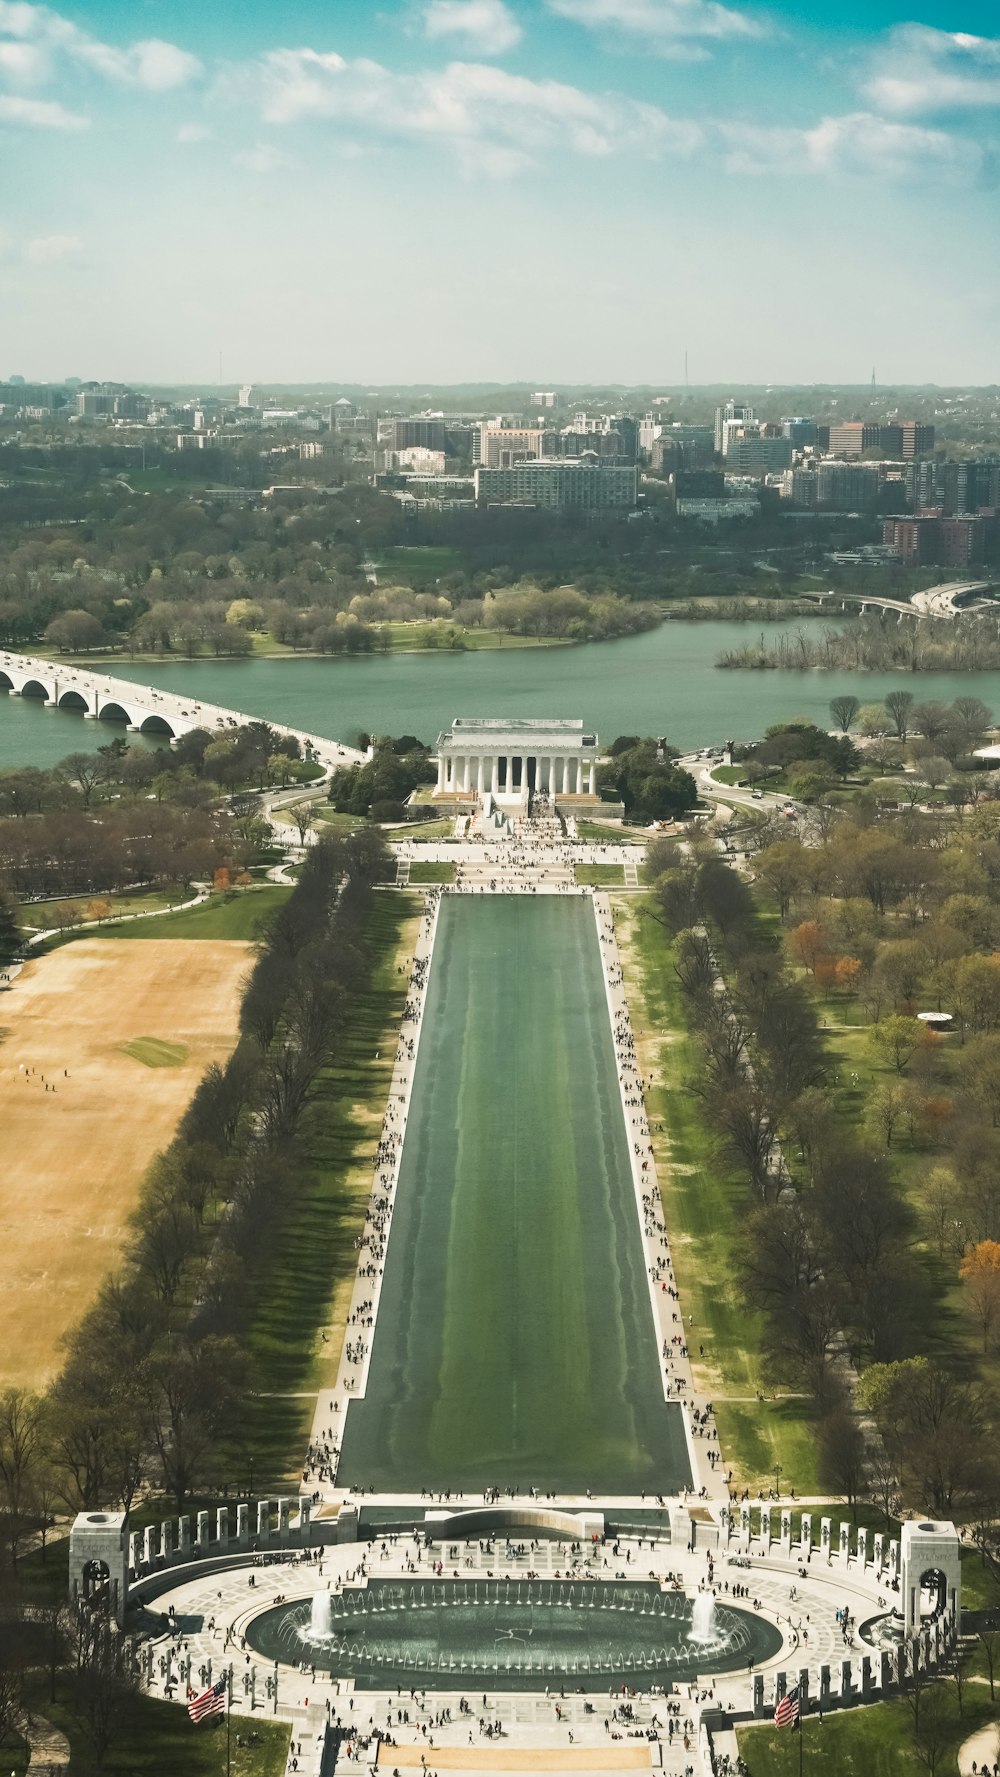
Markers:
point(513, 760)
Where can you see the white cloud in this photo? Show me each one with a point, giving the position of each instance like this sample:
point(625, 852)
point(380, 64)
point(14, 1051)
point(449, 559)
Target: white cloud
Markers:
point(34, 40)
point(265, 158)
point(923, 70)
point(671, 27)
point(858, 143)
point(40, 114)
point(194, 132)
point(480, 27)
point(23, 63)
point(50, 248)
point(469, 105)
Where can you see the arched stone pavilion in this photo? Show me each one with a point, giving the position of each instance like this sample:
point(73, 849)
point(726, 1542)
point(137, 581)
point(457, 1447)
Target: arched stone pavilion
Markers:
point(510, 759)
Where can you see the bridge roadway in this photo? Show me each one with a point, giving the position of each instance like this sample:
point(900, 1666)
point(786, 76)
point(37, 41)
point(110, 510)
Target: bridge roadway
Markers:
point(936, 601)
point(144, 709)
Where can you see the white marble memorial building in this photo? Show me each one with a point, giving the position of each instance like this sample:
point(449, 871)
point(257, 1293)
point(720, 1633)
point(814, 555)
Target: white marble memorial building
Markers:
point(512, 759)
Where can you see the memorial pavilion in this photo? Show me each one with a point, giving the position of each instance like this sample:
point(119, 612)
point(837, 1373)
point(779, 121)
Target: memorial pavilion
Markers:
point(511, 760)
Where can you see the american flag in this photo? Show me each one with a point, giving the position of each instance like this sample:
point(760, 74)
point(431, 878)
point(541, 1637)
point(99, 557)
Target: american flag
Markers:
point(787, 1712)
point(210, 1702)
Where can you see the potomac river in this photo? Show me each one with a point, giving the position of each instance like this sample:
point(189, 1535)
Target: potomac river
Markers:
point(664, 682)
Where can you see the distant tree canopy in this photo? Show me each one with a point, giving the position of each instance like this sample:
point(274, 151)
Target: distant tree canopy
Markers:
point(789, 743)
point(383, 783)
point(646, 779)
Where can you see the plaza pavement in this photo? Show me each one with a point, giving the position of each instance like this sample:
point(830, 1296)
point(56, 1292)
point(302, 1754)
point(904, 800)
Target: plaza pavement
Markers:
point(211, 1611)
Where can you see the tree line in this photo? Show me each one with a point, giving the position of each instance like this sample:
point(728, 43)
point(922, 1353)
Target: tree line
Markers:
point(154, 1388)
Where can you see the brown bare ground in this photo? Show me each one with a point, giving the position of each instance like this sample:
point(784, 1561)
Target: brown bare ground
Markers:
point(72, 1159)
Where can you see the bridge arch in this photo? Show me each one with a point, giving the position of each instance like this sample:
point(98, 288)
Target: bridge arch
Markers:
point(73, 700)
point(157, 725)
point(114, 712)
point(6, 682)
point(35, 688)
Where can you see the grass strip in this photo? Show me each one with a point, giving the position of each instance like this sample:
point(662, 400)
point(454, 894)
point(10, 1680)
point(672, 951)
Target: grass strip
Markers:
point(309, 1286)
point(704, 1206)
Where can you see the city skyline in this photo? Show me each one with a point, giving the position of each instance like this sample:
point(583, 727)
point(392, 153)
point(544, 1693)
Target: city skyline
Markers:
point(459, 190)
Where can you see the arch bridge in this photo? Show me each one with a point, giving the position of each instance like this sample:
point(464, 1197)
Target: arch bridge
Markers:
point(142, 708)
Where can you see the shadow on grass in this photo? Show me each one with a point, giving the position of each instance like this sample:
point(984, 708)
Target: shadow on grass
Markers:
point(317, 1248)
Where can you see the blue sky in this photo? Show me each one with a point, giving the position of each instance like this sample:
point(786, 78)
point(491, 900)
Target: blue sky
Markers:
point(457, 190)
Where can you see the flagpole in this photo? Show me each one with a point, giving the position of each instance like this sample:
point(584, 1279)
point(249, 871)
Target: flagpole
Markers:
point(229, 1733)
point(801, 1721)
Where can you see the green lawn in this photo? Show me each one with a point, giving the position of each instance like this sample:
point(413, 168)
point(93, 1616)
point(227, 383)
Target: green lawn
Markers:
point(156, 1052)
point(309, 1286)
point(69, 909)
point(704, 1206)
point(162, 1741)
point(235, 913)
point(599, 875)
point(515, 1340)
point(603, 833)
point(877, 1741)
point(420, 872)
point(333, 817)
point(419, 832)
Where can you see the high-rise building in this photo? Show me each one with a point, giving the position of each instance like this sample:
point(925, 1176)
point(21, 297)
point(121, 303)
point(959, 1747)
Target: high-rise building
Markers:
point(545, 398)
point(733, 414)
point(916, 440)
point(558, 484)
point(847, 487)
point(749, 451)
point(499, 447)
point(800, 433)
point(425, 434)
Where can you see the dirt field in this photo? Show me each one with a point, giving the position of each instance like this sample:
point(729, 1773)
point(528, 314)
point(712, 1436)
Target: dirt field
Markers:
point(71, 1160)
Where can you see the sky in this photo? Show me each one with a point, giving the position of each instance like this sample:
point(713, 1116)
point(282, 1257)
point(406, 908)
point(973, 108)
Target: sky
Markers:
point(507, 190)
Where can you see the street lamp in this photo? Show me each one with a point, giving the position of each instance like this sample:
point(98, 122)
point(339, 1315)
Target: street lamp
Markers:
point(777, 1473)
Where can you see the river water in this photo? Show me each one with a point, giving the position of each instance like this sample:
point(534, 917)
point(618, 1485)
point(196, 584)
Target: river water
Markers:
point(664, 682)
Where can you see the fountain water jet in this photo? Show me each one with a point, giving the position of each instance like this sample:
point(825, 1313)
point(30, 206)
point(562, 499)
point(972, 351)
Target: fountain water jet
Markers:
point(321, 1616)
point(703, 1625)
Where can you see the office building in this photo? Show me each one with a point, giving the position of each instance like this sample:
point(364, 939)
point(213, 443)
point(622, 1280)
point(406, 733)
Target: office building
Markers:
point(734, 413)
point(558, 484)
point(847, 487)
point(801, 434)
point(417, 432)
point(750, 451)
point(500, 447)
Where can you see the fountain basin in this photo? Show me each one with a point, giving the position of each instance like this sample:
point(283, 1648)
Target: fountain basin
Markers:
point(512, 1634)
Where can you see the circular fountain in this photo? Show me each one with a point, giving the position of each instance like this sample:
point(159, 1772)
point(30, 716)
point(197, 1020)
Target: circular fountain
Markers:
point(514, 1633)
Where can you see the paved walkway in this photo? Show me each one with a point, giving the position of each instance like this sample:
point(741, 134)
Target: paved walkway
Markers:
point(50, 1750)
point(980, 1752)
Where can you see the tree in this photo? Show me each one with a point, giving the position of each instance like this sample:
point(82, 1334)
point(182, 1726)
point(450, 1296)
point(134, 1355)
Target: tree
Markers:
point(871, 720)
point(106, 1685)
point(842, 1456)
point(783, 868)
point(896, 1039)
point(20, 1459)
point(980, 1273)
point(844, 710)
point(931, 719)
point(75, 632)
point(989, 1640)
point(899, 704)
point(11, 938)
point(86, 770)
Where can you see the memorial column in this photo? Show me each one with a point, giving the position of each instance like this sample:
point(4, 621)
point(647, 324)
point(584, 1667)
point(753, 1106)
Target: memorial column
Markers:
point(440, 783)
